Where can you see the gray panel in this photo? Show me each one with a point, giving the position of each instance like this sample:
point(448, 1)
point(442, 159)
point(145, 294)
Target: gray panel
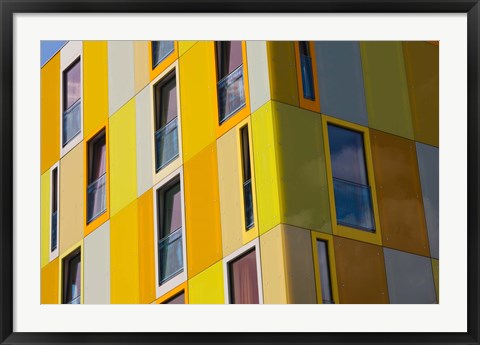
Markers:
point(409, 277)
point(96, 265)
point(121, 77)
point(258, 79)
point(340, 80)
point(144, 138)
point(428, 168)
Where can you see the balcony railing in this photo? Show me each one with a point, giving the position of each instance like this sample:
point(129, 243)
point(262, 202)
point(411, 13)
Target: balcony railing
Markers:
point(307, 76)
point(166, 144)
point(170, 256)
point(248, 204)
point(76, 300)
point(96, 198)
point(160, 50)
point(353, 203)
point(72, 122)
point(53, 243)
point(231, 94)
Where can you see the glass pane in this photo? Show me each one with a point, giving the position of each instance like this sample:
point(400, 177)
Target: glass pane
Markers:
point(160, 50)
point(324, 267)
point(71, 122)
point(307, 77)
point(166, 144)
point(72, 88)
point(98, 159)
point(53, 243)
point(96, 194)
point(178, 299)
point(54, 189)
point(248, 204)
point(243, 280)
point(231, 94)
point(245, 154)
point(72, 279)
point(170, 256)
point(172, 216)
point(229, 57)
point(168, 103)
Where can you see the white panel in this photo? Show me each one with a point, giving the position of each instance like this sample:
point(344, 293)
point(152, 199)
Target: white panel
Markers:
point(258, 74)
point(121, 79)
point(70, 52)
point(144, 128)
point(96, 265)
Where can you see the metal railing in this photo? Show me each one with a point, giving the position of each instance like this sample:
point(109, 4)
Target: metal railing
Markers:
point(307, 76)
point(170, 256)
point(72, 122)
point(53, 230)
point(231, 94)
point(353, 204)
point(248, 204)
point(166, 144)
point(76, 300)
point(160, 50)
point(96, 198)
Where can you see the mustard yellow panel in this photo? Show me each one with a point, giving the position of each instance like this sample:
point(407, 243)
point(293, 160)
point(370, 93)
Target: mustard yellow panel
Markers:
point(207, 286)
point(146, 247)
point(45, 218)
point(141, 60)
point(95, 79)
point(435, 264)
point(183, 46)
point(202, 210)
point(124, 256)
point(50, 113)
point(123, 164)
point(49, 283)
point(199, 98)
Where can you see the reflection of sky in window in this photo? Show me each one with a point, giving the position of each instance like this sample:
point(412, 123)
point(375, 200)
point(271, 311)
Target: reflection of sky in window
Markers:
point(72, 79)
point(347, 155)
point(48, 49)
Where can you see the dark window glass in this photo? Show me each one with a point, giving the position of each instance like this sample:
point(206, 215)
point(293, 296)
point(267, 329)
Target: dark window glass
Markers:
point(72, 91)
point(96, 190)
point(177, 299)
point(244, 280)
point(160, 50)
point(324, 266)
point(72, 278)
point(306, 70)
point(229, 57)
point(54, 215)
point(72, 85)
point(247, 179)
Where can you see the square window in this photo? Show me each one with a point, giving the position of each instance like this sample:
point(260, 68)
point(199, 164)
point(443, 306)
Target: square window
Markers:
point(71, 278)
point(243, 279)
point(96, 189)
point(160, 50)
point(72, 91)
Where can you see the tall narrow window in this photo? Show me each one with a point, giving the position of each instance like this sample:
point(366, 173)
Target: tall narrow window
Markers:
point(353, 199)
point(324, 268)
point(160, 50)
point(307, 71)
point(166, 132)
point(96, 190)
point(71, 278)
point(247, 179)
point(230, 85)
point(243, 279)
point(170, 251)
point(54, 215)
point(72, 92)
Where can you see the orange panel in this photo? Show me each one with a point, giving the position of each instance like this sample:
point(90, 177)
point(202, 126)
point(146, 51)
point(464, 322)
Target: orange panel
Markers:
point(202, 210)
point(146, 247)
point(49, 283)
point(399, 193)
point(173, 292)
point(360, 272)
point(50, 113)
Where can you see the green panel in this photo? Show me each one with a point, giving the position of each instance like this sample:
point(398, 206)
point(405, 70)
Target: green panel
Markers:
point(386, 89)
point(265, 164)
point(301, 161)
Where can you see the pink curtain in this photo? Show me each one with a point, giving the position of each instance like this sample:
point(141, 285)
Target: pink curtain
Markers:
point(244, 282)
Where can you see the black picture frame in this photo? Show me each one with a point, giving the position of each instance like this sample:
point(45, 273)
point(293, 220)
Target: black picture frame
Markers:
point(9, 7)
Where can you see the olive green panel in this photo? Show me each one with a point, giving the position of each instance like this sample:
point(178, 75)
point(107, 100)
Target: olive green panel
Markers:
point(386, 89)
point(265, 164)
point(283, 72)
point(421, 64)
point(301, 166)
point(435, 264)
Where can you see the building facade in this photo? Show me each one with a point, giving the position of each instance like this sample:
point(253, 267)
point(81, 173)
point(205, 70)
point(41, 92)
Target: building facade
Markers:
point(240, 172)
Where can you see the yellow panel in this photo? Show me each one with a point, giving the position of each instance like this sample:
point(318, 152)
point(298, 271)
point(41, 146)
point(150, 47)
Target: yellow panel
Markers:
point(273, 267)
point(95, 90)
point(283, 75)
point(265, 166)
point(142, 73)
point(199, 113)
point(50, 113)
point(183, 46)
point(146, 247)
point(49, 283)
point(124, 256)
point(435, 276)
point(45, 218)
point(331, 261)
point(202, 211)
point(207, 287)
point(123, 164)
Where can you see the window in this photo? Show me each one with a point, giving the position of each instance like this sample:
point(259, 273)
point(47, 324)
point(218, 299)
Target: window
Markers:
point(160, 50)
point(177, 299)
point(324, 271)
point(54, 212)
point(247, 179)
point(72, 91)
point(306, 70)
point(243, 279)
point(71, 278)
point(166, 115)
point(170, 248)
point(353, 198)
point(96, 189)
point(230, 84)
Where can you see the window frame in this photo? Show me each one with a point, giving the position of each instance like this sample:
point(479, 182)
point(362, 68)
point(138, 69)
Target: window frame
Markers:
point(72, 249)
point(54, 254)
point(305, 103)
point(328, 239)
point(343, 230)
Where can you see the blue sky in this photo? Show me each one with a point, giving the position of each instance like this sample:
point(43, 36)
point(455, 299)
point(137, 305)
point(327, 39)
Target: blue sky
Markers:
point(48, 49)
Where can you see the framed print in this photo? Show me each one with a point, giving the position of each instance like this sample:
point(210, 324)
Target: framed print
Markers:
point(310, 177)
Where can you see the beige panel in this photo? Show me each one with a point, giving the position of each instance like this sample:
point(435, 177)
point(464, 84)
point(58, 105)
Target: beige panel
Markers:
point(96, 265)
point(258, 81)
point(142, 72)
point(72, 192)
point(230, 198)
point(144, 138)
point(273, 267)
point(121, 81)
point(299, 272)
